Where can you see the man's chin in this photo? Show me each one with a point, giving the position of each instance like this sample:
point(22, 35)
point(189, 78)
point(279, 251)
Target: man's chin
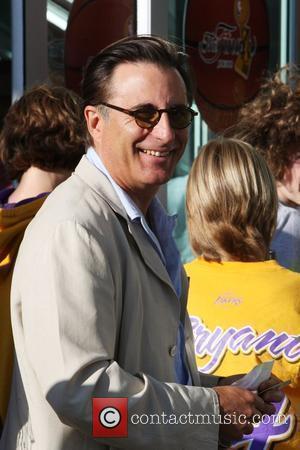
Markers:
point(160, 182)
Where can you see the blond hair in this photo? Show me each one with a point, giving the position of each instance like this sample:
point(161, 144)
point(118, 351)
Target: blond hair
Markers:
point(231, 202)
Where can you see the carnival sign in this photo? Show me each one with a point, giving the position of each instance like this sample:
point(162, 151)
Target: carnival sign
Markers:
point(228, 45)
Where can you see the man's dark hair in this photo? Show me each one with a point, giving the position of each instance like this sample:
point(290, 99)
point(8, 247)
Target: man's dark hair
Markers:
point(150, 49)
point(44, 129)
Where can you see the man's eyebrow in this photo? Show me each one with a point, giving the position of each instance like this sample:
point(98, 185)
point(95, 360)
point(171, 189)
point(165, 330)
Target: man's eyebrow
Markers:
point(151, 106)
point(143, 106)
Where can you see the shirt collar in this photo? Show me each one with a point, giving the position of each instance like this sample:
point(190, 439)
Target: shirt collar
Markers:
point(162, 224)
point(155, 209)
point(130, 207)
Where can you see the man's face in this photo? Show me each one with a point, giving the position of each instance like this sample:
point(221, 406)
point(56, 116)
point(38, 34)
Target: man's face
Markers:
point(124, 147)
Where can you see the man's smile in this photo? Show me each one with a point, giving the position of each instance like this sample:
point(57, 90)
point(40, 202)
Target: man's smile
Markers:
point(155, 153)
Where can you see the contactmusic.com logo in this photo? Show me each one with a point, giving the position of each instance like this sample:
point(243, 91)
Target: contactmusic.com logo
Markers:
point(110, 417)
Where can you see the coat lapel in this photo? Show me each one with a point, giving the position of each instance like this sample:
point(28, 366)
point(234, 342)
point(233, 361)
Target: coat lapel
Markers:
point(100, 183)
point(149, 254)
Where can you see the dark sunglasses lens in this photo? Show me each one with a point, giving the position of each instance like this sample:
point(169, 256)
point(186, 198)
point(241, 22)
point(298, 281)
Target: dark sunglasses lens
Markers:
point(146, 118)
point(180, 117)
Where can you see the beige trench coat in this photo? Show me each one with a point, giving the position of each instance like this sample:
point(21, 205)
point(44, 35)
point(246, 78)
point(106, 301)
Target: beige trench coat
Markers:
point(95, 314)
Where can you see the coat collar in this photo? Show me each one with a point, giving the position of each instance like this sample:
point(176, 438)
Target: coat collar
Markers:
point(97, 181)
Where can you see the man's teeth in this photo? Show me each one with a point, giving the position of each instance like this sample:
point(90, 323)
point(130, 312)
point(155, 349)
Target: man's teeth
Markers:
point(154, 153)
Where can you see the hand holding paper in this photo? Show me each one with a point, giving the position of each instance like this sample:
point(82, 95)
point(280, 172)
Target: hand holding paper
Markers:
point(255, 377)
point(260, 376)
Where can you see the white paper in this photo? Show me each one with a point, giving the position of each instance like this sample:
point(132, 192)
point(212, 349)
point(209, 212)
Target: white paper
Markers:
point(255, 377)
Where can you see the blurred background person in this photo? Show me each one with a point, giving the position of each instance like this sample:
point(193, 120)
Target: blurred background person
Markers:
point(271, 123)
point(244, 307)
point(41, 142)
point(4, 182)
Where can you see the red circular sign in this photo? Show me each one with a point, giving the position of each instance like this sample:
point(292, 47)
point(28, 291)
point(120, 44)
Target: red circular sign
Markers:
point(228, 45)
point(93, 25)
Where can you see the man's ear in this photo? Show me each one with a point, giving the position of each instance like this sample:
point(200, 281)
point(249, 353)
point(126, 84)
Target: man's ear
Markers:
point(93, 121)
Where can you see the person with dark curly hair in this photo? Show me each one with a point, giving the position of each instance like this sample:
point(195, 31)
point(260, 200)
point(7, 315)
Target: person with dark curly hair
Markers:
point(41, 142)
point(271, 123)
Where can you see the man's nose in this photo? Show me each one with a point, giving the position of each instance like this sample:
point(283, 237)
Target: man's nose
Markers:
point(163, 129)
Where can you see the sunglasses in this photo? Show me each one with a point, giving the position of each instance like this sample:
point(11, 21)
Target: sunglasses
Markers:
point(147, 117)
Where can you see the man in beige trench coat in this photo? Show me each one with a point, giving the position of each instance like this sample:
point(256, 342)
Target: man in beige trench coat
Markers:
point(99, 295)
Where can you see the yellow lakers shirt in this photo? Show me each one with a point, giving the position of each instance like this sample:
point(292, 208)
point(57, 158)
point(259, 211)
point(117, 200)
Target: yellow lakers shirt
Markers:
point(244, 313)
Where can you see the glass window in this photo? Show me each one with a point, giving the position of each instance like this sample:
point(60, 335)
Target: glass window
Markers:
point(78, 29)
point(231, 47)
point(57, 19)
point(5, 56)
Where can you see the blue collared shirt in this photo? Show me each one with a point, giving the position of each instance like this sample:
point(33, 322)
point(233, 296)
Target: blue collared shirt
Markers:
point(161, 238)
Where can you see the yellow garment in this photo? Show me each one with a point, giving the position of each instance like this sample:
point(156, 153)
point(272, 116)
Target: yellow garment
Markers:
point(244, 313)
point(13, 223)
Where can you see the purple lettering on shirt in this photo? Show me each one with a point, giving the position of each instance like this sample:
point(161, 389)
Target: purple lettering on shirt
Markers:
point(239, 339)
point(292, 350)
point(215, 343)
point(201, 334)
point(217, 347)
point(272, 340)
point(279, 428)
